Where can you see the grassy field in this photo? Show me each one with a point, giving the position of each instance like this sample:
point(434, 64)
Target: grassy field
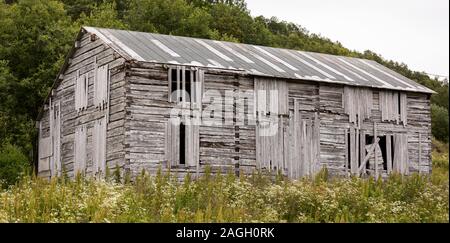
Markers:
point(230, 199)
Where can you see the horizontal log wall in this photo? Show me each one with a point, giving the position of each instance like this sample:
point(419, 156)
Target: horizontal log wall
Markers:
point(140, 109)
point(419, 122)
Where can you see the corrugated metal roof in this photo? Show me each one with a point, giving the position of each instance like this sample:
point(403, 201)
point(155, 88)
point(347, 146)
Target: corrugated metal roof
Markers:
point(256, 60)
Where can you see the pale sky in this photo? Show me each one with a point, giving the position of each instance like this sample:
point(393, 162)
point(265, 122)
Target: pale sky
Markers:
point(415, 32)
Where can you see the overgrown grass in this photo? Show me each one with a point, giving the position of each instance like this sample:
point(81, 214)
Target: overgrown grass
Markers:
point(225, 198)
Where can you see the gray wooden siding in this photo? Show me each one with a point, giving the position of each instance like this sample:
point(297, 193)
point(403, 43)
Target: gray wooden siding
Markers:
point(315, 120)
point(84, 61)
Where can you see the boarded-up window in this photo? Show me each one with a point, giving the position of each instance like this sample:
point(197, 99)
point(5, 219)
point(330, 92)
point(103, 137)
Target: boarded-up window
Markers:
point(79, 164)
point(81, 92)
point(185, 85)
point(271, 97)
point(101, 84)
point(99, 146)
point(393, 106)
point(182, 144)
point(401, 158)
point(358, 104)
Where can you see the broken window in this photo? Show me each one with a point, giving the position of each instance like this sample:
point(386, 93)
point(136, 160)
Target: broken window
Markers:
point(185, 85)
point(182, 143)
point(367, 153)
point(379, 152)
point(393, 106)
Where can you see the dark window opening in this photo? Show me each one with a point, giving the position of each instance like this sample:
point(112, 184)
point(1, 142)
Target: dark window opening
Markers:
point(181, 82)
point(173, 86)
point(399, 104)
point(382, 144)
point(182, 144)
point(188, 83)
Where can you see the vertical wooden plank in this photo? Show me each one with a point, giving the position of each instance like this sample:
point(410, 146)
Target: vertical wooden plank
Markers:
point(316, 143)
point(347, 158)
point(375, 135)
point(362, 150)
point(52, 138)
point(170, 84)
point(420, 153)
point(389, 153)
point(178, 84)
point(183, 85)
point(353, 162)
point(357, 143)
point(297, 160)
point(58, 140)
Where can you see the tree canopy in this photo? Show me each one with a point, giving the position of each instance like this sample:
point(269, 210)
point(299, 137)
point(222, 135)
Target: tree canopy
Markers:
point(35, 36)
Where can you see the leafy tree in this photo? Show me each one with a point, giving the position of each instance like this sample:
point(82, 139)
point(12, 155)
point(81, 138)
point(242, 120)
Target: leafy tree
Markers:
point(440, 125)
point(104, 15)
point(13, 164)
point(175, 17)
point(35, 35)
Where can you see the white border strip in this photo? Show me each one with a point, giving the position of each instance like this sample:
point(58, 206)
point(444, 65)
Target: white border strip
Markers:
point(112, 40)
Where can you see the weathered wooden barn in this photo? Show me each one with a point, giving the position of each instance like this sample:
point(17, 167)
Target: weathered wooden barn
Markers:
point(147, 101)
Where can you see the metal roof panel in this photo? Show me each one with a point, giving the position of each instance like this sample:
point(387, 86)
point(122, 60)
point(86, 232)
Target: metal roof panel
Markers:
point(257, 60)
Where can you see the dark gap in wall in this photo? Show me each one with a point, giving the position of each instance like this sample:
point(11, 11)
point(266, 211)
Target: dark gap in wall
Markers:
point(173, 81)
point(188, 84)
point(382, 145)
point(182, 144)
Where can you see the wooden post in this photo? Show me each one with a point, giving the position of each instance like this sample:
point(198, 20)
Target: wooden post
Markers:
point(362, 147)
point(389, 153)
point(346, 152)
point(376, 155)
point(420, 153)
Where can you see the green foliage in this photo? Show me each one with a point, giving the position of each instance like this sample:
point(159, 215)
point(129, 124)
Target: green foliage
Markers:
point(13, 165)
point(168, 17)
point(104, 15)
point(440, 125)
point(226, 199)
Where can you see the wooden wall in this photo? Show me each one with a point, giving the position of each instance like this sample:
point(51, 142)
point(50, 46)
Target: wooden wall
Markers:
point(317, 114)
point(90, 54)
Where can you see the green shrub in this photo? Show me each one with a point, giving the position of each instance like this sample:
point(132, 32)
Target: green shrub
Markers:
point(439, 122)
point(13, 165)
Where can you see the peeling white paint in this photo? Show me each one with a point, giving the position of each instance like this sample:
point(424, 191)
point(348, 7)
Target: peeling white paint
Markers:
point(276, 58)
point(309, 65)
point(165, 48)
point(325, 66)
point(214, 50)
point(237, 54)
point(215, 64)
point(348, 70)
point(387, 74)
point(120, 45)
